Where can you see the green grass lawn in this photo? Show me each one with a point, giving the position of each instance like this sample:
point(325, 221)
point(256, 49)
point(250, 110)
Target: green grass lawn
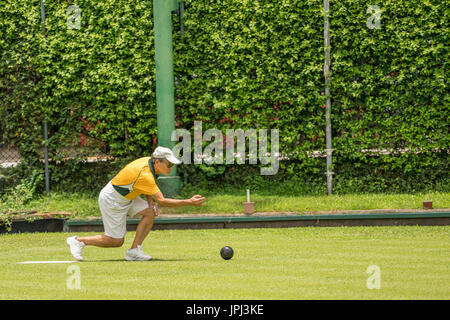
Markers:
point(83, 205)
point(291, 263)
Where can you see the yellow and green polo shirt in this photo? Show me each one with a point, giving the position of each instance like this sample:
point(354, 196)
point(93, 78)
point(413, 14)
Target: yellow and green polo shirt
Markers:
point(136, 178)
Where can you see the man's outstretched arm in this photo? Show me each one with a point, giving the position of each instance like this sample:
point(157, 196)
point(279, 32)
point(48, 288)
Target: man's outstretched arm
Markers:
point(196, 200)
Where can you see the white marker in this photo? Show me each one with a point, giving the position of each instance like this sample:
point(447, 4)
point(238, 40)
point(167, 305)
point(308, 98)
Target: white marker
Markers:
point(40, 262)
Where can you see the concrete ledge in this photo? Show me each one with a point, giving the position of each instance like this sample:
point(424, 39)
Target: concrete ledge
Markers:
point(281, 221)
point(37, 225)
point(238, 221)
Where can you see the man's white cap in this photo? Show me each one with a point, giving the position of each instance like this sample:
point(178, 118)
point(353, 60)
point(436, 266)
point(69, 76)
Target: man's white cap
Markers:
point(165, 153)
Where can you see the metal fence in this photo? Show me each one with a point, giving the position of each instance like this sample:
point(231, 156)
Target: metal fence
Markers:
point(9, 156)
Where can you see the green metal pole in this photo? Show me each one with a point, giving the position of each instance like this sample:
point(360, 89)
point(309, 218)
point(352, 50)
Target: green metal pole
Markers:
point(326, 72)
point(47, 174)
point(165, 103)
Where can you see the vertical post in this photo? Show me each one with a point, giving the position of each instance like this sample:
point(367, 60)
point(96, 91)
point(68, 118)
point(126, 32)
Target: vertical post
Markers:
point(165, 103)
point(164, 70)
point(326, 73)
point(47, 175)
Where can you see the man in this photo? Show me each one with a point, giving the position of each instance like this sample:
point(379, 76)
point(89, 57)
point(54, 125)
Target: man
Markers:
point(121, 197)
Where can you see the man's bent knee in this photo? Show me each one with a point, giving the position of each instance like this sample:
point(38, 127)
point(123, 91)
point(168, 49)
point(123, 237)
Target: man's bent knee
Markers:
point(147, 213)
point(116, 242)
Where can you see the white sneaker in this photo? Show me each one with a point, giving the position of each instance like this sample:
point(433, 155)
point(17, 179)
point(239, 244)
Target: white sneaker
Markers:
point(136, 255)
point(76, 247)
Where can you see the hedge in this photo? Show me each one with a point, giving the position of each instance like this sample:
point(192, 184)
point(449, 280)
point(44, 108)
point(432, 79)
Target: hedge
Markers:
point(240, 64)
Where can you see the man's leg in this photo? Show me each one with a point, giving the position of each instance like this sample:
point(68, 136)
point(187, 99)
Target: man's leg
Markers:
point(101, 241)
point(144, 227)
point(114, 216)
point(76, 244)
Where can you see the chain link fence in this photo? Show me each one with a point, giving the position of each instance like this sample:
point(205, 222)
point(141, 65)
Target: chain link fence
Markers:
point(53, 165)
point(9, 156)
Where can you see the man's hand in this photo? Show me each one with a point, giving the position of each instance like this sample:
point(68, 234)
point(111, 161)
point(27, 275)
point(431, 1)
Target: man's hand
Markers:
point(197, 200)
point(155, 209)
point(152, 205)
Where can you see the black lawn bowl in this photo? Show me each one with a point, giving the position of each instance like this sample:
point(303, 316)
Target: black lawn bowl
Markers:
point(226, 252)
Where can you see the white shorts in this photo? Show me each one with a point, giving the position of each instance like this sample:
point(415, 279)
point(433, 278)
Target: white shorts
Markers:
point(115, 208)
